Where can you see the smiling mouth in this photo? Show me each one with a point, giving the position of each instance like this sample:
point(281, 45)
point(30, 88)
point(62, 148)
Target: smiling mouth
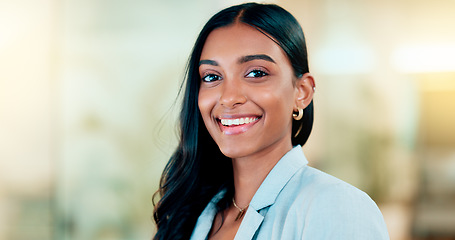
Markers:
point(230, 122)
point(234, 125)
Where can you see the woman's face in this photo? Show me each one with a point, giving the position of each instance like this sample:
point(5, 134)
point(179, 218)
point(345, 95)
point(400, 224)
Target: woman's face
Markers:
point(246, 95)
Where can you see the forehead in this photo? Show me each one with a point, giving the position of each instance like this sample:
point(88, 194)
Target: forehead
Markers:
point(240, 40)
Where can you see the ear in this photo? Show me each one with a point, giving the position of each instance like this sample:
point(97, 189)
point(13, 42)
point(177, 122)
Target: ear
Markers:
point(304, 87)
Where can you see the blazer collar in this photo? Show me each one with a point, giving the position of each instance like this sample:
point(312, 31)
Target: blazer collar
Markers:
point(278, 177)
point(267, 193)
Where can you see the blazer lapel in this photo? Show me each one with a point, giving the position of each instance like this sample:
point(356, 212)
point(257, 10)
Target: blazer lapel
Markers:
point(268, 192)
point(250, 224)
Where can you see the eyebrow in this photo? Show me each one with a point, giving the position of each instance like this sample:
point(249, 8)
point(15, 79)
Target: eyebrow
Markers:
point(209, 62)
point(243, 59)
point(256, 57)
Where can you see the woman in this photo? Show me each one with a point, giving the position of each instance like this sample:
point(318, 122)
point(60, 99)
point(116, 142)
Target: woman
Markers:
point(239, 170)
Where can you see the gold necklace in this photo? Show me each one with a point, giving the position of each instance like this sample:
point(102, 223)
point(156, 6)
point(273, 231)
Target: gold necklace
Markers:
point(241, 210)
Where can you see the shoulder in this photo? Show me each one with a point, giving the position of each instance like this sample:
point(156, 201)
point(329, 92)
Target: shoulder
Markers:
point(329, 207)
point(322, 186)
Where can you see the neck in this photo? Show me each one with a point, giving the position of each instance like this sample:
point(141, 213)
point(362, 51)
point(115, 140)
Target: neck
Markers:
point(250, 172)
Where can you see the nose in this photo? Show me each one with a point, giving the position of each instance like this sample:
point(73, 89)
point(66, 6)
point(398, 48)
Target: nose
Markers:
point(232, 93)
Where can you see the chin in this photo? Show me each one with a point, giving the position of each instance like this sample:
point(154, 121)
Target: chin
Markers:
point(234, 151)
point(230, 152)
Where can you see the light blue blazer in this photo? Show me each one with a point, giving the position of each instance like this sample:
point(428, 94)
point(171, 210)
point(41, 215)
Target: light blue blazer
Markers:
point(296, 201)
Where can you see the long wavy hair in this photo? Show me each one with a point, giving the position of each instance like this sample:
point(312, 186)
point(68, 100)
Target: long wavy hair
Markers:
point(198, 170)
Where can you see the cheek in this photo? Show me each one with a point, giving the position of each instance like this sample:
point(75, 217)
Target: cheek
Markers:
point(205, 103)
point(279, 104)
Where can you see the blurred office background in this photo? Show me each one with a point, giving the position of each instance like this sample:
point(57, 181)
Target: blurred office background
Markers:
point(87, 115)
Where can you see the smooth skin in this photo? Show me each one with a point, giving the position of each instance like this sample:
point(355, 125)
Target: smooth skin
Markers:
point(247, 76)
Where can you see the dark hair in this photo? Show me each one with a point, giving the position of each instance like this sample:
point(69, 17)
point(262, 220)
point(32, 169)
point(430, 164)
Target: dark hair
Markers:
point(198, 170)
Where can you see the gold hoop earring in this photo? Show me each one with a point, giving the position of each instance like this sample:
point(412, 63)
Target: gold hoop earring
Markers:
point(298, 117)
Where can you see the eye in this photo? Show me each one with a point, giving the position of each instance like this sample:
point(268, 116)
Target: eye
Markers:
point(211, 78)
point(256, 74)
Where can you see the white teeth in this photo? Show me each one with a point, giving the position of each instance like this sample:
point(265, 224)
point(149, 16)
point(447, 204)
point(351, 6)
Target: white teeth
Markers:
point(238, 121)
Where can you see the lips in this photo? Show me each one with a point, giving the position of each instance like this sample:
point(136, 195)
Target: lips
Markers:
point(237, 125)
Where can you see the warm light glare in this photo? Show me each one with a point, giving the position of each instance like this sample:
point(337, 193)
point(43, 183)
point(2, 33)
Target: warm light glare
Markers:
point(424, 58)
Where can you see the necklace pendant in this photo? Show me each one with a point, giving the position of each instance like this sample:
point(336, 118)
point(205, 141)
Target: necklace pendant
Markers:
point(240, 215)
point(241, 210)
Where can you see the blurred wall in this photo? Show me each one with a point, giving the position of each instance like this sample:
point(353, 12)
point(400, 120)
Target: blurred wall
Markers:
point(88, 109)
point(27, 117)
